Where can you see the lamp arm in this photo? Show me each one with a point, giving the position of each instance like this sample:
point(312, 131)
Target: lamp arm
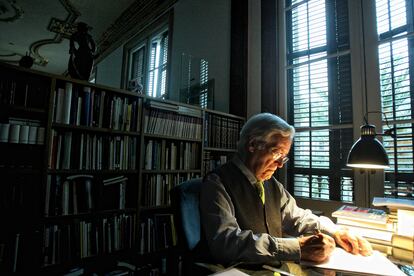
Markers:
point(392, 132)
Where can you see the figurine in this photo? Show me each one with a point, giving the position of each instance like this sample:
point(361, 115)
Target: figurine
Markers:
point(81, 58)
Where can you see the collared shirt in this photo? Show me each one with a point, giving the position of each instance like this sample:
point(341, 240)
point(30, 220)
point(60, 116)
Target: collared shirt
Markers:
point(229, 244)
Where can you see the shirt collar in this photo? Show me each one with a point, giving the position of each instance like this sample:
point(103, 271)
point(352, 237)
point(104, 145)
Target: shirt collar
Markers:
point(239, 163)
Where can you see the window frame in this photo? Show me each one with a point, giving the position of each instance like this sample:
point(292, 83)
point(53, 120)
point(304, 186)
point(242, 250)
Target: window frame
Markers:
point(365, 85)
point(144, 38)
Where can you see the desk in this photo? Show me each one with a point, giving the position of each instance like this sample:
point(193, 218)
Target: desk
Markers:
point(302, 270)
point(299, 270)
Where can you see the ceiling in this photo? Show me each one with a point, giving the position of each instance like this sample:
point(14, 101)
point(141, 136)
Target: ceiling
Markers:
point(41, 28)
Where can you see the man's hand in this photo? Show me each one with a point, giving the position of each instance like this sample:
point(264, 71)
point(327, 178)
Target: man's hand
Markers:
point(352, 243)
point(316, 248)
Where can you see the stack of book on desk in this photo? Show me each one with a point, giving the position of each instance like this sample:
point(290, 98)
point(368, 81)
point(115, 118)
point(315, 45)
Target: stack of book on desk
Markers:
point(401, 212)
point(373, 224)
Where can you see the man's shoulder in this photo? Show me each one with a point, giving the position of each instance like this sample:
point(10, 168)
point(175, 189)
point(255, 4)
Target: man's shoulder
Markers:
point(276, 184)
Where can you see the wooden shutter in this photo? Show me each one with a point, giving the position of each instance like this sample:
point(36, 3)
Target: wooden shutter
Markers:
point(319, 98)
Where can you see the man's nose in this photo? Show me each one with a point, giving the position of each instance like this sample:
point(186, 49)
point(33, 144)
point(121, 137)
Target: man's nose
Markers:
point(279, 163)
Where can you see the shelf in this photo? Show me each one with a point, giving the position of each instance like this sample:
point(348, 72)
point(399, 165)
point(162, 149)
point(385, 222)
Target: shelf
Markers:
point(16, 108)
point(220, 149)
point(156, 208)
point(171, 138)
point(94, 129)
point(93, 172)
point(103, 259)
point(171, 171)
point(224, 114)
point(103, 213)
point(21, 145)
point(4, 170)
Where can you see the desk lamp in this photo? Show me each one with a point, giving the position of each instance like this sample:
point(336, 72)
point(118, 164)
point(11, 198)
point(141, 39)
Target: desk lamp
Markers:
point(367, 152)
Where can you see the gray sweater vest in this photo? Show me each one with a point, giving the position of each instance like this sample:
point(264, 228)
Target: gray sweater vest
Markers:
point(251, 214)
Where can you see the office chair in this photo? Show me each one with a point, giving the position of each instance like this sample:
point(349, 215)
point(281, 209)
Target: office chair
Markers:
point(185, 199)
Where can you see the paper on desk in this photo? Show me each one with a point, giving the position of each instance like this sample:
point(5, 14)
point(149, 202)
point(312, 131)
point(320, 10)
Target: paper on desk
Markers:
point(230, 272)
point(376, 264)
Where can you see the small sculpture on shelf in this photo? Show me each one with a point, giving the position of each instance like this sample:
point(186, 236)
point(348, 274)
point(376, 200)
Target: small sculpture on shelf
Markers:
point(82, 56)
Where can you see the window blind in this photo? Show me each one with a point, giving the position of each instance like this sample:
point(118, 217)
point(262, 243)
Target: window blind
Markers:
point(396, 69)
point(319, 98)
point(137, 65)
point(157, 73)
point(203, 83)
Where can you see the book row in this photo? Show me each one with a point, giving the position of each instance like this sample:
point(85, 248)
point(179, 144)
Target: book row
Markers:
point(69, 242)
point(221, 132)
point(24, 91)
point(161, 122)
point(157, 233)
point(156, 187)
point(86, 106)
point(212, 161)
point(91, 151)
point(77, 194)
point(21, 131)
point(171, 155)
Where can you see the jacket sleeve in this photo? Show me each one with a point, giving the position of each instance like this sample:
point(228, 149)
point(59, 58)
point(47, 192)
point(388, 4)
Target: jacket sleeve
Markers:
point(297, 221)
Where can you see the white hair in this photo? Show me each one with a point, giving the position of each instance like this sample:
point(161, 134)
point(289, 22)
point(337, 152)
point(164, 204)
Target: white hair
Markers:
point(260, 127)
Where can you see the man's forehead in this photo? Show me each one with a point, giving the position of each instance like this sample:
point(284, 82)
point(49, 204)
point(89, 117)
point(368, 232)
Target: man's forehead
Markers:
point(278, 139)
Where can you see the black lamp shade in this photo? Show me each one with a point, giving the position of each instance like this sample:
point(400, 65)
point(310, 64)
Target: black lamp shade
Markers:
point(368, 152)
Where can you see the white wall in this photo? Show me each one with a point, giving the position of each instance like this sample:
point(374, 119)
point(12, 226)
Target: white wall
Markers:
point(109, 70)
point(202, 29)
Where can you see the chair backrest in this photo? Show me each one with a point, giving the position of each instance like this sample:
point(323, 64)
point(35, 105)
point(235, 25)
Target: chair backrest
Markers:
point(185, 199)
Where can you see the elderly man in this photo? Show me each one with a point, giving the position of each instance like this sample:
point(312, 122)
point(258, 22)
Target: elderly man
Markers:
point(247, 215)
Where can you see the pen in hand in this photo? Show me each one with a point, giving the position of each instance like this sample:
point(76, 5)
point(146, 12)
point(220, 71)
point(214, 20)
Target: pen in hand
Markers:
point(316, 237)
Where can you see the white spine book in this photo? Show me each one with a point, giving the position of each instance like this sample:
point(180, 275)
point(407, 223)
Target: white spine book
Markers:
point(32, 134)
point(67, 103)
point(158, 190)
point(14, 133)
point(79, 113)
point(59, 105)
point(4, 132)
point(82, 141)
point(65, 198)
point(24, 134)
point(148, 156)
point(67, 150)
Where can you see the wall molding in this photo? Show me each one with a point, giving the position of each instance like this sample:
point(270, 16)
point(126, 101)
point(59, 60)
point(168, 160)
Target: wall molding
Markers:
point(10, 11)
point(133, 20)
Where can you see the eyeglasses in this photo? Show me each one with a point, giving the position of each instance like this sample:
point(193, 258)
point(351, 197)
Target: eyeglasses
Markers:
point(278, 156)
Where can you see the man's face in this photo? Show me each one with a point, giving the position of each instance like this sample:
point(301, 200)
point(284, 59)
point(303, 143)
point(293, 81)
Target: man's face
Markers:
point(265, 160)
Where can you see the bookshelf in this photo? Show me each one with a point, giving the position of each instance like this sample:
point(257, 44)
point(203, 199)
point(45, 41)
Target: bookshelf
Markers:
point(221, 133)
point(88, 169)
point(172, 143)
point(90, 195)
point(23, 120)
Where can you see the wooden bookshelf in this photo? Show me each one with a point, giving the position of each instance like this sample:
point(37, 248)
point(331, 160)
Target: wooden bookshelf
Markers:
point(24, 97)
point(93, 189)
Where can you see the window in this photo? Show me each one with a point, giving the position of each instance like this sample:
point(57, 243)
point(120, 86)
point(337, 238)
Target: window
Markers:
point(157, 72)
point(203, 83)
point(396, 70)
point(137, 65)
point(324, 81)
point(148, 68)
point(320, 98)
